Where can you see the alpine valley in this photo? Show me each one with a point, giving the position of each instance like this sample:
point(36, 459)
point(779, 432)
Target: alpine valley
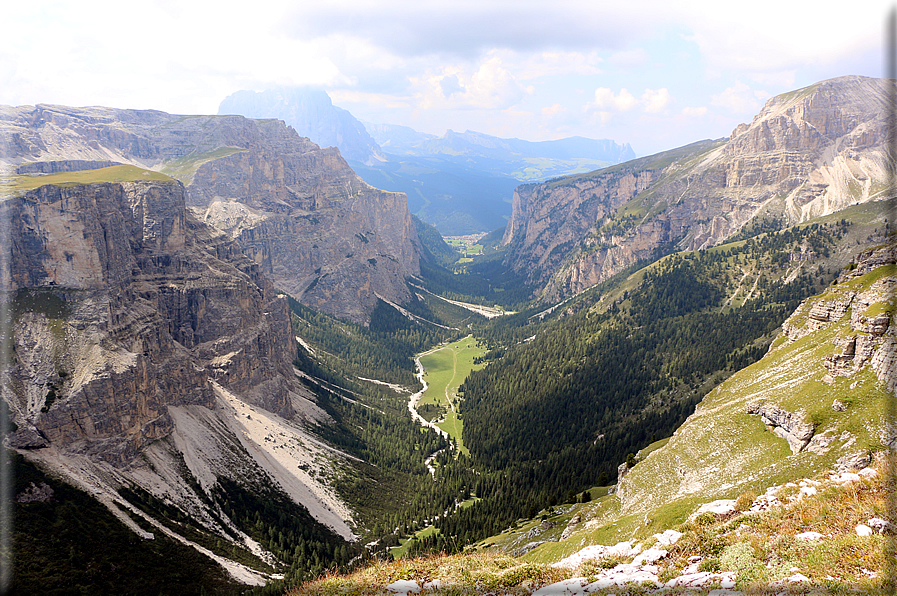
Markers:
point(232, 366)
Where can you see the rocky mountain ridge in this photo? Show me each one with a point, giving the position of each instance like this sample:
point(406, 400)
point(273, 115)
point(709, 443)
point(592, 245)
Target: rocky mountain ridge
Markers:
point(807, 153)
point(150, 356)
point(818, 399)
point(299, 211)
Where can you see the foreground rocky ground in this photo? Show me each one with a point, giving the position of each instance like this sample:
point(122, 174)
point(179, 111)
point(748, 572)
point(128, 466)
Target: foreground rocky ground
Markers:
point(821, 535)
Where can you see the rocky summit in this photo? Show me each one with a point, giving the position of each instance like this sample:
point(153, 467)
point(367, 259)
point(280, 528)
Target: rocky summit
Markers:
point(808, 153)
point(299, 211)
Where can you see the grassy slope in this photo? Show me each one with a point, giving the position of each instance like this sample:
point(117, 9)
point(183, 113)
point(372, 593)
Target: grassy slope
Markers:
point(722, 452)
point(123, 173)
point(184, 168)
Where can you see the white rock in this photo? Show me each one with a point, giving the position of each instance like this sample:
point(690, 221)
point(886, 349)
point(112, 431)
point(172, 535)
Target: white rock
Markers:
point(794, 579)
point(863, 530)
point(809, 536)
point(566, 587)
point(624, 574)
point(846, 477)
point(403, 586)
point(808, 490)
point(727, 580)
point(868, 473)
point(649, 556)
point(624, 549)
point(691, 579)
point(668, 537)
point(719, 507)
point(882, 526)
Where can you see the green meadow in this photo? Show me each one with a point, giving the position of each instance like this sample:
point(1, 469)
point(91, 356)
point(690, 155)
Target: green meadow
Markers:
point(122, 173)
point(445, 370)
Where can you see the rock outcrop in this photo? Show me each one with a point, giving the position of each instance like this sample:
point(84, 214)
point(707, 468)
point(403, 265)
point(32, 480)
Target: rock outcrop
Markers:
point(148, 355)
point(315, 228)
point(125, 305)
point(807, 153)
point(791, 426)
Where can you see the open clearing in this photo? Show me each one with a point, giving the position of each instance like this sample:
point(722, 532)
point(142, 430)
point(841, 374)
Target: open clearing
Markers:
point(444, 371)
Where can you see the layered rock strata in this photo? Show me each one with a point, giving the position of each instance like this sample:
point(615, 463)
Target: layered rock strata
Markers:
point(123, 305)
point(807, 153)
point(315, 228)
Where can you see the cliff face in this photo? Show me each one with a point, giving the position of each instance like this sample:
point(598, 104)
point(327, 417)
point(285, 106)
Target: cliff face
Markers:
point(808, 153)
point(148, 353)
point(318, 230)
point(302, 214)
point(125, 305)
point(313, 115)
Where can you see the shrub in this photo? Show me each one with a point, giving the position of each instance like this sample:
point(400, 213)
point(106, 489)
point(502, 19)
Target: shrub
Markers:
point(711, 565)
point(745, 500)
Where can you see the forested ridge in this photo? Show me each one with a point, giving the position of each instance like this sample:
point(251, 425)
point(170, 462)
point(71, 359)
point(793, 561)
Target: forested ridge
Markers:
point(565, 400)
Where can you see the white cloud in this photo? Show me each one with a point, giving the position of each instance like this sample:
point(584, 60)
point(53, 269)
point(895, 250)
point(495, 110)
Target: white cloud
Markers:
point(739, 99)
point(622, 102)
point(491, 86)
point(773, 37)
point(784, 78)
point(655, 101)
point(531, 66)
point(553, 110)
point(652, 101)
point(690, 112)
point(629, 58)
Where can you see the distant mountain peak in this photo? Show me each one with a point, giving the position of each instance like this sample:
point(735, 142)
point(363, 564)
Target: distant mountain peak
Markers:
point(311, 112)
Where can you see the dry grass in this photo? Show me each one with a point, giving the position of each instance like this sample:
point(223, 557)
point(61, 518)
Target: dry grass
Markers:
point(759, 548)
point(456, 575)
point(763, 548)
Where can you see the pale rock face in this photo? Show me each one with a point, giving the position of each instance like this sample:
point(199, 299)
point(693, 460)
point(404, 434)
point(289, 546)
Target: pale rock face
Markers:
point(316, 229)
point(807, 153)
point(149, 351)
point(791, 426)
point(128, 306)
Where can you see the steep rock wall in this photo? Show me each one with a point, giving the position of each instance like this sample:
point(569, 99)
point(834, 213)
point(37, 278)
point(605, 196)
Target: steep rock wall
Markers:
point(124, 305)
point(316, 229)
point(808, 153)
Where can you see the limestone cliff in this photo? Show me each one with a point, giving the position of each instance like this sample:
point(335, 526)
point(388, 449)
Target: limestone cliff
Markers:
point(299, 211)
point(148, 351)
point(807, 153)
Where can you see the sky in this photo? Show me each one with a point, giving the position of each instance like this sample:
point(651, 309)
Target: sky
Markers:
point(654, 74)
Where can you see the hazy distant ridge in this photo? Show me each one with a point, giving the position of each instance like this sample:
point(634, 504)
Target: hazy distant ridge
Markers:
point(405, 140)
point(312, 114)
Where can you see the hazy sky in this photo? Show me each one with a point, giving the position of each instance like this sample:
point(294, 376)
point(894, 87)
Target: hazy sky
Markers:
point(656, 74)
